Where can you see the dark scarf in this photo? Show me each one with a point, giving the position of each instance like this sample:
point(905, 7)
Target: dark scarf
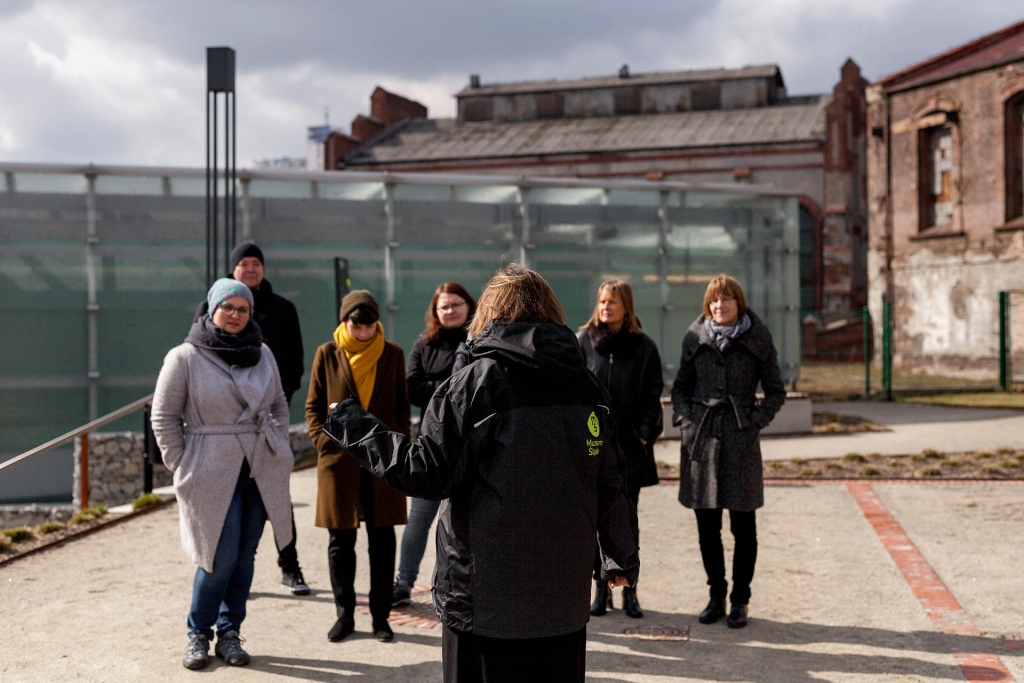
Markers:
point(242, 349)
point(621, 343)
point(452, 335)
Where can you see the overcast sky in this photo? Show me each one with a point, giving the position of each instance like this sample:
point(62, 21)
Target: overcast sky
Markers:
point(123, 81)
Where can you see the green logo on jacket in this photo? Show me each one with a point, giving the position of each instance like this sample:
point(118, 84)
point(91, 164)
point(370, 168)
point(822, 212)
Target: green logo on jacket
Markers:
point(594, 445)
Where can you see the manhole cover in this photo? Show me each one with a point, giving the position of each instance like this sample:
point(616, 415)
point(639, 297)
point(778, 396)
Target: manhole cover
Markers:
point(658, 633)
point(419, 613)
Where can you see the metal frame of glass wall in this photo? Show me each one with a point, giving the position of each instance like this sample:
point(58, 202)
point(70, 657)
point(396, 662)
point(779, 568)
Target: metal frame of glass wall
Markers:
point(101, 268)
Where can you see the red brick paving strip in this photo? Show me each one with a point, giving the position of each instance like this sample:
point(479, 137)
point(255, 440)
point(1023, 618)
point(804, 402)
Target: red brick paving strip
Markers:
point(939, 604)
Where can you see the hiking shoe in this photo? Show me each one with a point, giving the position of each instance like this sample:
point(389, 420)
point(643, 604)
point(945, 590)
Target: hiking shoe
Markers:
point(295, 583)
point(400, 596)
point(229, 648)
point(197, 654)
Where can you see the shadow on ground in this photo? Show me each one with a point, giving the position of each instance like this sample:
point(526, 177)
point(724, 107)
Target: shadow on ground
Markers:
point(779, 651)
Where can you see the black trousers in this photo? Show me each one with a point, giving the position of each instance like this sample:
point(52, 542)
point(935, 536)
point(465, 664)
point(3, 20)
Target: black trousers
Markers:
point(744, 531)
point(341, 560)
point(468, 658)
point(634, 495)
point(288, 557)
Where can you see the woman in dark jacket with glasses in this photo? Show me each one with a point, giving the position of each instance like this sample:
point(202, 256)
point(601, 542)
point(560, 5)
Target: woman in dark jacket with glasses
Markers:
point(433, 358)
point(627, 361)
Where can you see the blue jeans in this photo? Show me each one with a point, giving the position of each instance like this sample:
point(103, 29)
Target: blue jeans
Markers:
point(414, 539)
point(220, 596)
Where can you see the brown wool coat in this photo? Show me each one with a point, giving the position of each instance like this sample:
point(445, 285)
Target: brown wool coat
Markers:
point(330, 381)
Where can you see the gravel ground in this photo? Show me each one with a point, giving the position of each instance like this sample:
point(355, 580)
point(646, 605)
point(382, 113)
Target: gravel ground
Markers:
point(828, 602)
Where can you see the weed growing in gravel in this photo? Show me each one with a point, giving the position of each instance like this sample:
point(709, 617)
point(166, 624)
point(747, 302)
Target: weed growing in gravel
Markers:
point(869, 471)
point(145, 500)
point(1004, 451)
point(798, 461)
point(931, 453)
point(1011, 463)
point(894, 463)
point(990, 469)
point(854, 457)
point(18, 533)
point(930, 472)
point(874, 456)
point(833, 466)
point(810, 472)
point(5, 544)
point(952, 462)
point(87, 515)
point(49, 528)
point(775, 465)
point(984, 455)
point(918, 457)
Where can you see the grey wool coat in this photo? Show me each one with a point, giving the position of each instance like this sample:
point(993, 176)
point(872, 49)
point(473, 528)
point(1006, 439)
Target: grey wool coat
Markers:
point(207, 417)
point(714, 403)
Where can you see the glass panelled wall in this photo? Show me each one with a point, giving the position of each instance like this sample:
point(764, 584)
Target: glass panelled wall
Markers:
point(101, 269)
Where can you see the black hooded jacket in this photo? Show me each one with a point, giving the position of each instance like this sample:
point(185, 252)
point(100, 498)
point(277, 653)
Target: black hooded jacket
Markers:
point(522, 444)
point(630, 366)
point(279, 322)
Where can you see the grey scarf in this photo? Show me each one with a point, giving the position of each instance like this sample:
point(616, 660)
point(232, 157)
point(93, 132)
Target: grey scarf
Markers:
point(721, 335)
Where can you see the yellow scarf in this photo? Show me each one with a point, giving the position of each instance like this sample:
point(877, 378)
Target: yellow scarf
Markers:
point(362, 357)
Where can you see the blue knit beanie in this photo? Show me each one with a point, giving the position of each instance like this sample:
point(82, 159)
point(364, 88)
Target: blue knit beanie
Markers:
point(225, 288)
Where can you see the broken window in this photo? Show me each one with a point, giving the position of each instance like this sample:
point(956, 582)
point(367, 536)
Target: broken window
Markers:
point(935, 178)
point(1013, 123)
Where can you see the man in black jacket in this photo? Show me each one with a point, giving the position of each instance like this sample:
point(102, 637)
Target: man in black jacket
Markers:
point(279, 322)
point(522, 445)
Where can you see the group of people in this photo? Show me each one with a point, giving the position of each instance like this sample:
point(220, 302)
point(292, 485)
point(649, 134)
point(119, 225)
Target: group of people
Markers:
point(532, 449)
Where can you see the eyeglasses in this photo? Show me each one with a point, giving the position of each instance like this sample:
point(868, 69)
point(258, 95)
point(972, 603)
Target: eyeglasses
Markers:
point(451, 307)
point(242, 312)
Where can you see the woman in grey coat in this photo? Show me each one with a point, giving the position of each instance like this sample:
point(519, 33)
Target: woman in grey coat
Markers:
point(221, 419)
point(726, 352)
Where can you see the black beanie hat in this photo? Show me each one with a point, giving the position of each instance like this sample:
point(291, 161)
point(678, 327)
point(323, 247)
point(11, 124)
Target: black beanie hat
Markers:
point(357, 298)
point(243, 250)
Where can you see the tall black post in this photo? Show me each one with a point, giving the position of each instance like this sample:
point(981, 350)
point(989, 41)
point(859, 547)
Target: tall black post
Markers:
point(220, 78)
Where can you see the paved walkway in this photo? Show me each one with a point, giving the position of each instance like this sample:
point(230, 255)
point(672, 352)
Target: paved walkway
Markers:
point(859, 582)
point(832, 602)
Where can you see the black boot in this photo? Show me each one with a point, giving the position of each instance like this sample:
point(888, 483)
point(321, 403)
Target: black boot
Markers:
point(713, 612)
point(602, 599)
point(631, 604)
point(737, 616)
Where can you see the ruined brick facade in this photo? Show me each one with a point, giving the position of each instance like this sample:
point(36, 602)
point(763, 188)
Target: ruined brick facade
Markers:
point(946, 225)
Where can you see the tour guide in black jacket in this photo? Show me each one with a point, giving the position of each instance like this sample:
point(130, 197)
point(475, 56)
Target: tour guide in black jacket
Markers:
point(521, 443)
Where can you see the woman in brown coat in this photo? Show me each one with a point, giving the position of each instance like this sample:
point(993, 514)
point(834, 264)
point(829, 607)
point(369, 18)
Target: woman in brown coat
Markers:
point(361, 364)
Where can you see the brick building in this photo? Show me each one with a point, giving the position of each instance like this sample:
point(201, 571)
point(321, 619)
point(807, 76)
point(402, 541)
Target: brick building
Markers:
point(946, 193)
point(704, 126)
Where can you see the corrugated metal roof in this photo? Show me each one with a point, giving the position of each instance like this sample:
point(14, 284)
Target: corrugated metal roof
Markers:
point(446, 139)
point(589, 82)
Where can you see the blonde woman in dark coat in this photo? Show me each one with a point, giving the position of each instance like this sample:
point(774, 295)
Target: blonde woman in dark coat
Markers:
point(626, 360)
point(359, 363)
point(726, 352)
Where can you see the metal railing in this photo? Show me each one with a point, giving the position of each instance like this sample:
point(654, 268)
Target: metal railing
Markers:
point(81, 433)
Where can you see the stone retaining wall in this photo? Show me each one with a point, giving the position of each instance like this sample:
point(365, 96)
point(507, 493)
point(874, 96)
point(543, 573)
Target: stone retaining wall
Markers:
point(116, 463)
point(33, 514)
